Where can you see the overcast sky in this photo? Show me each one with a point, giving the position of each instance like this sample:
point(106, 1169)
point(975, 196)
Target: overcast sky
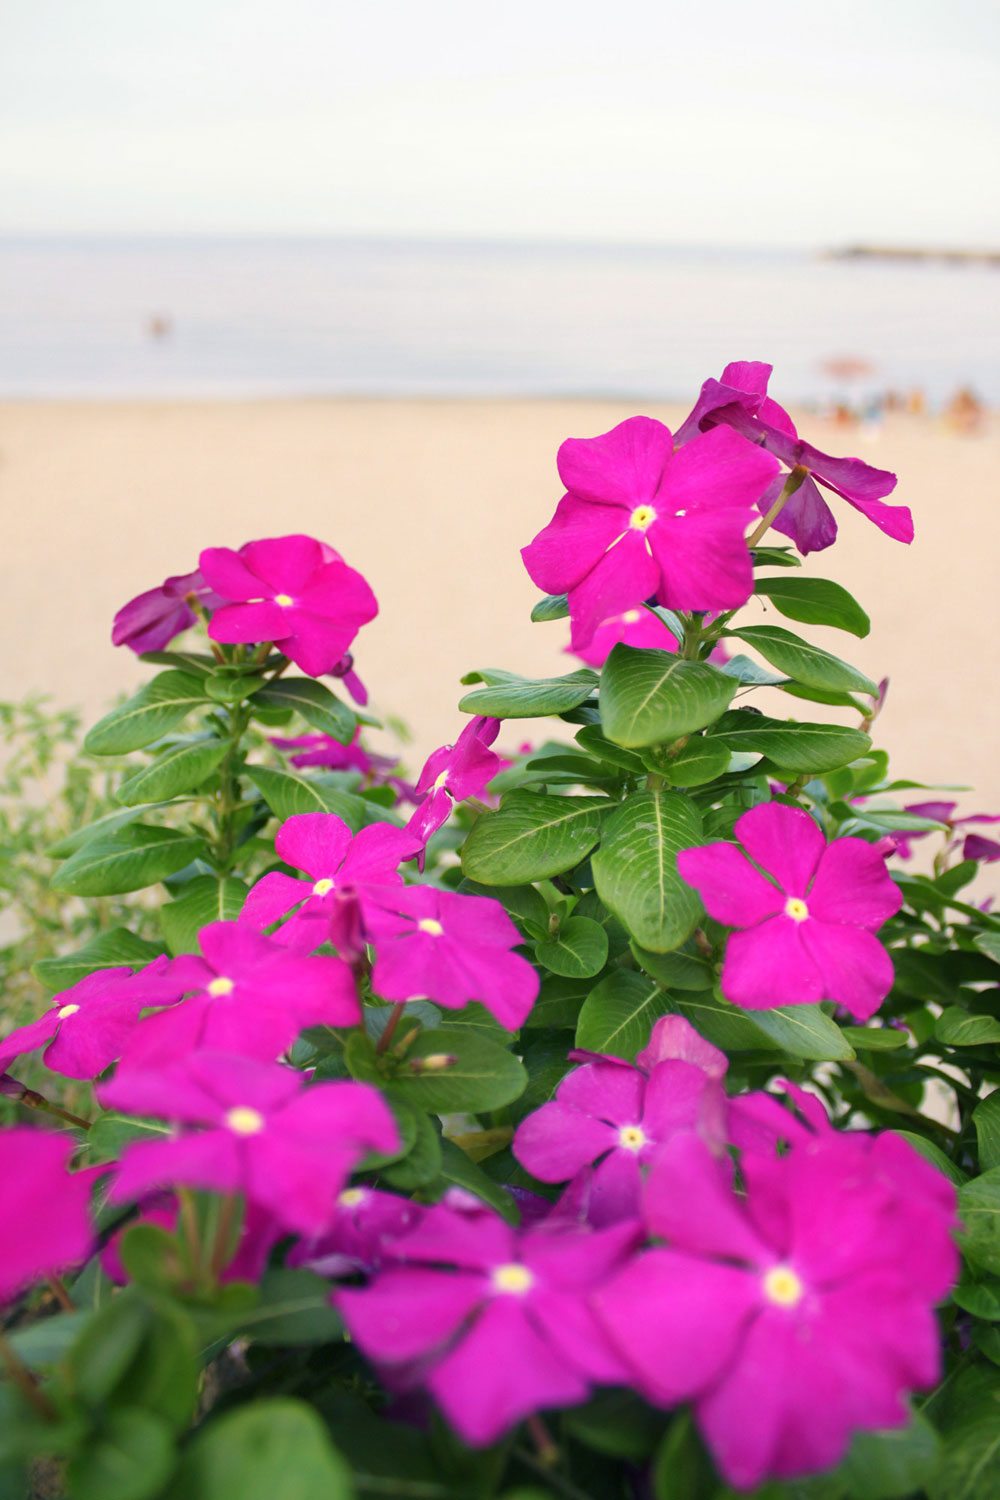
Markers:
point(786, 122)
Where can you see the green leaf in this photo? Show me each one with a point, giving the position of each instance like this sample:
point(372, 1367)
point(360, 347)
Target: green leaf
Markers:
point(134, 857)
point(275, 1448)
point(719, 1021)
point(483, 1075)
point(798, 747)
point(619, 1013)
point(957, 1028)
point(989, 943)
point(591, 739)
point(980, 1298)
point(815, 601)
point(650, 697)
point(100, 828)
point(969, 1467)
point(130, 1457)
point(986, 1118)
point(46, 1341)
point(204, 899)
point(422, 1163)
point(459, 1170)
point(288, 792)
point(979, 1211)
point(108, 950)
point(700, 761)
point(321, 709)
point(153, 712)
point(681, 971)
point(750, 672)
point(551, 607)
point(577, 951)
point(891, 1465)
point(875, 1038)
point(111, 1133)
point(933, 1154)
point(635, 869)
point(804, 1031)
point(294, 1308)
point(531, 836)
point(508, 696)
point(803, 661)
point(178, 768)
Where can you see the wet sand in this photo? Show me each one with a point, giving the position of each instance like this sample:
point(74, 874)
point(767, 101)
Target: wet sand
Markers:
point(432, 500)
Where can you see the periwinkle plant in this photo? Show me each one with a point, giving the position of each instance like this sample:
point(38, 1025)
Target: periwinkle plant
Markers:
point(608, 1161)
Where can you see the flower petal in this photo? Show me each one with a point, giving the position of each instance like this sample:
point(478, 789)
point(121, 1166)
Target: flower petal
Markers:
point(733, 891)
point(784, 841)
point(621, 467)
point(768, 965)
point(856, 970)
point(853, 885)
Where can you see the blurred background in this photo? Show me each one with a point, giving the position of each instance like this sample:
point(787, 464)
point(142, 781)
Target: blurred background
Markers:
point(358, 270)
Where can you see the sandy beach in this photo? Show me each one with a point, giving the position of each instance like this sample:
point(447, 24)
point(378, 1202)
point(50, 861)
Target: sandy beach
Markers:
point(432, 500)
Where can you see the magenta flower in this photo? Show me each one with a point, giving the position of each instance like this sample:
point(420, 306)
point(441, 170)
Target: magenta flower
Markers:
point(352, 682)
point(792, 1319)
point(977, 847)
point(640, 521)
point(495, 1323)
point(43, 1206)
point(634, 627)
point(807, 922)
point(88, 1027)
point(743, 404)
point(290, 590)
point(363, 1220)
point(337, 861)
point(287, 1148)
point(150, 621)
point(248, 995)
point(618, 1116)
point(324, 750)
point(436, 945)
point(454, 772)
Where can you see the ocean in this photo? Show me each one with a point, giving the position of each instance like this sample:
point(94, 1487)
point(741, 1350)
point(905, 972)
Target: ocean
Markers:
point(252, 317)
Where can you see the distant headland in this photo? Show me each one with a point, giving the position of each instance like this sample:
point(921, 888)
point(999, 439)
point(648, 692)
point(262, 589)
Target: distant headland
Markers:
point(912, 253)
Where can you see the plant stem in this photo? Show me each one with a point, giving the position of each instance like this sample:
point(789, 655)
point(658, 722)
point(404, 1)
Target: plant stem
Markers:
point(390, 1027)
point(791, 484)
point(223, 1233)
point(189, 1223)
point(229, 799)
point(32, 1100)
point(558, 1481)
point(61, 1295)
point(22, 1377)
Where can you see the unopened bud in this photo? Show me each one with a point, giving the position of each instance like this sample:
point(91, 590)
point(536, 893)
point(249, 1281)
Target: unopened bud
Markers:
point(434, 1062)
point(10, 1088)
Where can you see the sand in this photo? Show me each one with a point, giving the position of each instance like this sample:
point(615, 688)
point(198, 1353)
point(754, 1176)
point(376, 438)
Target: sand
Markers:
point(432, 500)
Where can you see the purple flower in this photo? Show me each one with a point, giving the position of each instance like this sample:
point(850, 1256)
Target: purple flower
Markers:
point(495, 1323)
point(150, 621)
point(436, 945)
point(291, 590)
point(618, 1116)
point(363, 1220)
point(89, 1026)
point(977, 847)
point(249, 995)
point(324, 750)
point(640, 521)
point(345, 670)
point(808, 921)
point(793, 1318)
point(43, 1207)
point(337, 861)
point(454, 772)
point(743, 404)
point(287, 1148)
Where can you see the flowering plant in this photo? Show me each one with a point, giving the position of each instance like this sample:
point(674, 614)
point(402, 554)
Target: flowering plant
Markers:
point(614, 1120)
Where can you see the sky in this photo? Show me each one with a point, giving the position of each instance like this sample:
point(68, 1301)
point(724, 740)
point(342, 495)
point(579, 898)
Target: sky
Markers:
point(818, 122)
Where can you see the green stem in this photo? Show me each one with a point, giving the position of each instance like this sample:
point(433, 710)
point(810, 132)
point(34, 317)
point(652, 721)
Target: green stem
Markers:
point(229, 798)
point(691, 644)
point(22, 1377)
point(792, 483)
point(390, 1027)
point(223, 1234)
point(189, 1224)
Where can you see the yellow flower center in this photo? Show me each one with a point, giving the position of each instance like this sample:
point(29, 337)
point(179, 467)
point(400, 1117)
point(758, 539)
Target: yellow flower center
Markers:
point(220, 986)
point(632, 1137)
point(351, 1197)
point(782, 1287)
point(442, 781)
point(513, 1278)
point(796, 908)
point(631, 616)
point(322, 887)
point(245, 1121)
point(428, 924)
point(284, 600)
point(642, 517)
point(67, 1010)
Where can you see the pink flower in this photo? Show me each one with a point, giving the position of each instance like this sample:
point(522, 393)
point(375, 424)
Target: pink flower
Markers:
point(287, 1148)
point(791, 1319)
point(743, 404)
point(337, 861)
point(454, 772)
point(89, 1025)
point(363, 1220)
point(496, 1323)
point(150, 621)
point(640, 521)
point(250, 996)
point(436, 945)
point(345, 670)
point(293, 591)
point(636, 627)
point(618, 1115)
point(43, 1207)
point(808, 921)
point(324, 750)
